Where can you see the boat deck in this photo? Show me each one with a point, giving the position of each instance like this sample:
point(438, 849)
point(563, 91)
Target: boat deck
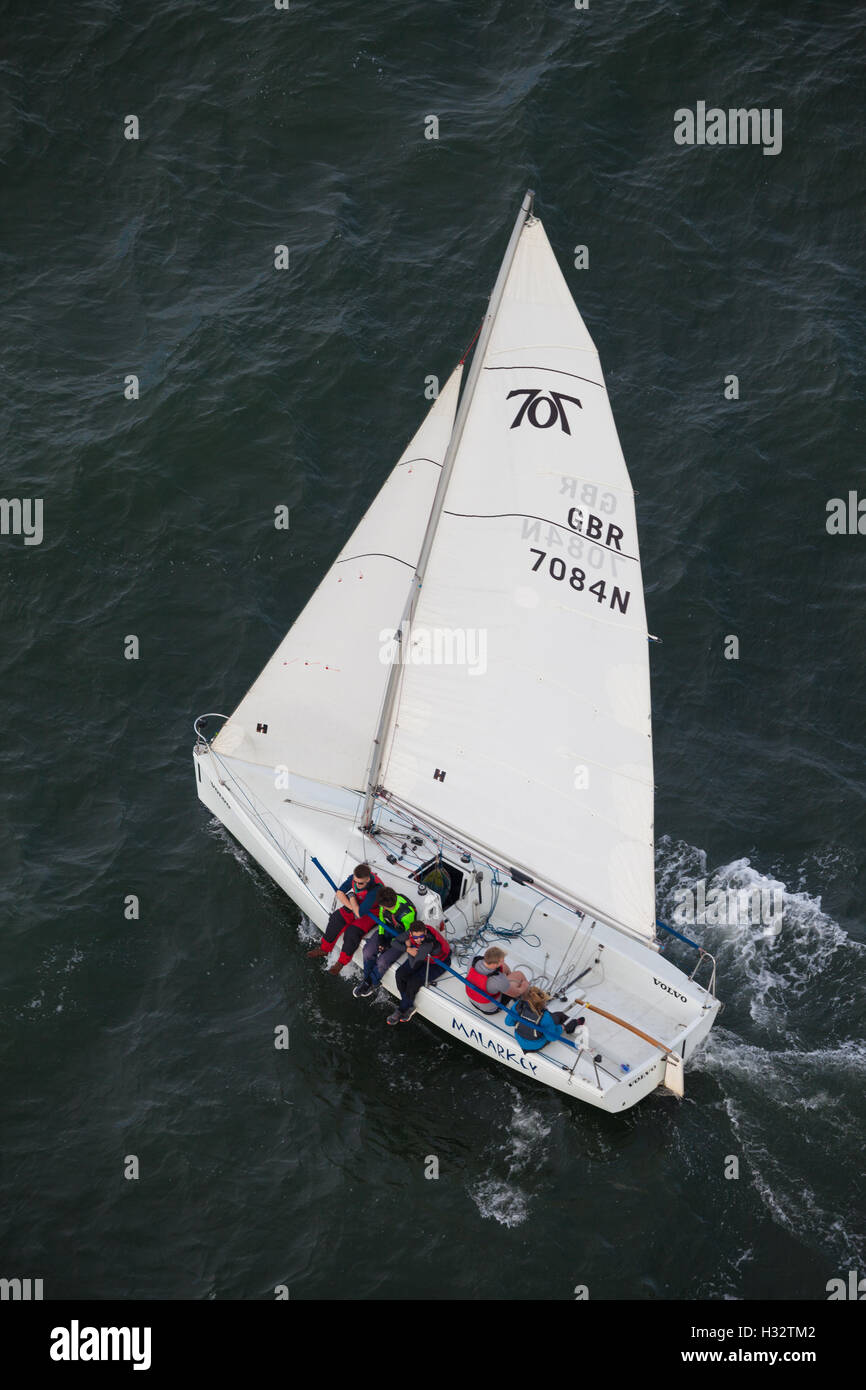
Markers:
point(617, 1046)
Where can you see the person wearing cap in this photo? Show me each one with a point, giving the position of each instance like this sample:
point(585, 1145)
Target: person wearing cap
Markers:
point(356, 899)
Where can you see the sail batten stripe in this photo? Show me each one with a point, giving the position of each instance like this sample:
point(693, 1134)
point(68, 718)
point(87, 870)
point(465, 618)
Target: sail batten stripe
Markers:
point(535, 368)
point(530, 516)
point(375, 554)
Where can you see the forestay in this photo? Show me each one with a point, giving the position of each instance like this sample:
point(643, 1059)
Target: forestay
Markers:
point(316, 703)
point(523, 716)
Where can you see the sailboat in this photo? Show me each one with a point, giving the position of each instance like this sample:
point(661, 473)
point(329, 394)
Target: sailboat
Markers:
point(464, 705)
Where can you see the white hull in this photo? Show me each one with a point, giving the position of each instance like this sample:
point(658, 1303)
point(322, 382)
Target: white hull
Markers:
point(285, 830)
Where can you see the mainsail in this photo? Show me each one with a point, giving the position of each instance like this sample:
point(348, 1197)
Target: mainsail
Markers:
point(522, 714)
point(314, 706)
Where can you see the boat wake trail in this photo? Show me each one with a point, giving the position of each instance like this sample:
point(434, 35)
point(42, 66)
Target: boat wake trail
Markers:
point(498, 1197)
point(796, 1118)
point(787, 1056)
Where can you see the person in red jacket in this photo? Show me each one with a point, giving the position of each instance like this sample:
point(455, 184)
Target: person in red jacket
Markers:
point(428, 953)
point(356, 899)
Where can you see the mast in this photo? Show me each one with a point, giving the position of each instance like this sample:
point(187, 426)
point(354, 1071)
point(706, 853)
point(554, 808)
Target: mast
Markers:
point(439, 502)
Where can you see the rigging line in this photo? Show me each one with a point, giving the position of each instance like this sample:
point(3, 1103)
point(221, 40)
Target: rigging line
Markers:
point(471, 345)
point(455, 907)
point(248, 762)
point(375, 554)
point(517, 929)
point(560, 969)
point(543, 899)
point(558, 370)
point(399, 857)
point(309, 806)
point(397, 838)
point(532, 942)
point(557, 525)
point(259, 817)
point(417, 823)
point(422, 458)
point(582, 939)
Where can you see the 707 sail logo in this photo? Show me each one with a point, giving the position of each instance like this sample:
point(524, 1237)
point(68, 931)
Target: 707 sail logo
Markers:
point(554, 408)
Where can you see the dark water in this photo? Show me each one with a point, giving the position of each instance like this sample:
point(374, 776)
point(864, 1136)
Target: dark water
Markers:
point(155, 257)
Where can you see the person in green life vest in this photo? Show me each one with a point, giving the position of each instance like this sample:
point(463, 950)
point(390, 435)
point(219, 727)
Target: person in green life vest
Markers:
point(381, 949)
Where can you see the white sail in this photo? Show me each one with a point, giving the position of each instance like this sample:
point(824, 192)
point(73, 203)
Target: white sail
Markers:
point(523, 715)
point(316, 703)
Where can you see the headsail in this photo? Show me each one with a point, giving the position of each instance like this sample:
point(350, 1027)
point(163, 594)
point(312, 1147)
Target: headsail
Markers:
point(314, 705)
point(537, 744)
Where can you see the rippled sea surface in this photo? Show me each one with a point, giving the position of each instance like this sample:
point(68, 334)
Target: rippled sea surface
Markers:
point(155, 257)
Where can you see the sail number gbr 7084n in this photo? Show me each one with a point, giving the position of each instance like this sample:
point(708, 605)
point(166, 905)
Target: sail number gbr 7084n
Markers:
point(557, 569)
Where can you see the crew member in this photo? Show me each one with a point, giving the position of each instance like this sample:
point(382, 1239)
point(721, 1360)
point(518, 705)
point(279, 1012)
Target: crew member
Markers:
point(357, 898)
point(533, 1026)
point(492, 976)
point(428, 953)
point(382, 947)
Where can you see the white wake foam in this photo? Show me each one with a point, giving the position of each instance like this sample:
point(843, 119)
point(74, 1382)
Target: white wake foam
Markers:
point(792, 1078)
point(498, 1197)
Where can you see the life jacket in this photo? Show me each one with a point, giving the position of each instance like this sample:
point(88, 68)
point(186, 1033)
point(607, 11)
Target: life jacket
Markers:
point(524, 1029)
point(475, 976)
point(443, 950)
point(348, 915)
point(401, 915)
